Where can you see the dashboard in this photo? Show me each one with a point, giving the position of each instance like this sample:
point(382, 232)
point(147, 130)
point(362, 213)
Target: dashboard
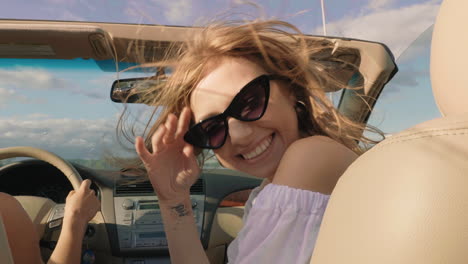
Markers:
point(131, 227)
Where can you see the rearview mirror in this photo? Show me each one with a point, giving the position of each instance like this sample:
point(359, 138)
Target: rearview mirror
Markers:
point(127, 90)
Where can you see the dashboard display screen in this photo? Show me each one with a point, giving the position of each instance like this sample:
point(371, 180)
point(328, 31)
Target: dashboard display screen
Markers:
point(151, 235)
point(149, 206)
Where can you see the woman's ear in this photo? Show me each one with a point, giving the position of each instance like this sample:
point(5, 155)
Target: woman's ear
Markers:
point(300, 108)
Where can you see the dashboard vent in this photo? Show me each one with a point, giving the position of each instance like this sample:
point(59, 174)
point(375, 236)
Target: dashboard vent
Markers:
point(198, 187)
point(134, 188)
point(145, 187)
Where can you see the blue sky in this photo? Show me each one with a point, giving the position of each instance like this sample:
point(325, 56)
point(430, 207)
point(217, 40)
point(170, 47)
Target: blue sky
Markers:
point(77, 121)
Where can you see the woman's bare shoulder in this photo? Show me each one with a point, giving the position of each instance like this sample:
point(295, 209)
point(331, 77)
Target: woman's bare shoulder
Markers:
point(314, 163)
point(21, 232)
point(8, 204)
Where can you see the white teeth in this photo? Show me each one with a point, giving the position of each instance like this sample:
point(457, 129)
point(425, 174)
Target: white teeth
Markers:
point(258, 150)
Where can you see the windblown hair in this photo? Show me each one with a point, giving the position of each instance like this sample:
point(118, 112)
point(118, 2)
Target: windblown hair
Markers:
point(278, 47)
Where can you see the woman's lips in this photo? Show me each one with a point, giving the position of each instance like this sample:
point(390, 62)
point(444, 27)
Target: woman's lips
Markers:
point(259, 150)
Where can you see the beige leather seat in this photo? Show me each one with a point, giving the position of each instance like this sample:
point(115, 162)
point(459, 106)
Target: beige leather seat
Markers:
point(406, 200)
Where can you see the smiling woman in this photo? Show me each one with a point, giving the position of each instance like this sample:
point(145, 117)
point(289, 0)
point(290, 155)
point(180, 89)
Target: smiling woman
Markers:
point(254, 94)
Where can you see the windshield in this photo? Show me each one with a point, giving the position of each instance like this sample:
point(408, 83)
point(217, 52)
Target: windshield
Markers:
point(59, 105)
point(408, 100)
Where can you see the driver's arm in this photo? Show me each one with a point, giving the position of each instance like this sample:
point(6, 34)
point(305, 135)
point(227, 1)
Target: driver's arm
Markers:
point(81, 206)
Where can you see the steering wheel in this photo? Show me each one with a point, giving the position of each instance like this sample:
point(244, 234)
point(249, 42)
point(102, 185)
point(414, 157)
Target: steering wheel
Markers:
point(40, 209)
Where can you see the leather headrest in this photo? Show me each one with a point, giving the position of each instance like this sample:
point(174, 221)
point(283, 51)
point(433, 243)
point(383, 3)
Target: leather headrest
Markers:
point(449, 54)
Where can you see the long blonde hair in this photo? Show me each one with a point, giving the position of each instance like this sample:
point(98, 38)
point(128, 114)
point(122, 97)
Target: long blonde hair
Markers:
point(277, 46)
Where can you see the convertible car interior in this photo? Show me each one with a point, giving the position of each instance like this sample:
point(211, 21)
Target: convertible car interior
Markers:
point(405, 193)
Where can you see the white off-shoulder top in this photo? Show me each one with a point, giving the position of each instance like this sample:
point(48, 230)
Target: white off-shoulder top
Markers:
point(280, 226)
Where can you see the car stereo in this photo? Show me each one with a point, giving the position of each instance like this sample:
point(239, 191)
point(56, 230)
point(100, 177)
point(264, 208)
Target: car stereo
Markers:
point(139, 221)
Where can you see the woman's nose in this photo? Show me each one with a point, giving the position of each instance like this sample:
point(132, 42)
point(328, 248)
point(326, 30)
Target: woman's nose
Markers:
point(240, 132)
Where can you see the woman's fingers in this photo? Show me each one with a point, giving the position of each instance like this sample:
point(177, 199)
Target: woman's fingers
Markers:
point(184, 122)
point(85, 185)
point(72, 192)
point(190, 155)
point(188, 150)
point(173, 129)
point(171, 126)
point(157, 139)
point(141, 149)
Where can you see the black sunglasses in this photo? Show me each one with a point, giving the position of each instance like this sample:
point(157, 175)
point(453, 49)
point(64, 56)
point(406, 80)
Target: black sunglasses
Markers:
point(248, 105)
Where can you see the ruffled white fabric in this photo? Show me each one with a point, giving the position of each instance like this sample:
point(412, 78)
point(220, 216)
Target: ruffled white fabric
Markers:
point(280, 226)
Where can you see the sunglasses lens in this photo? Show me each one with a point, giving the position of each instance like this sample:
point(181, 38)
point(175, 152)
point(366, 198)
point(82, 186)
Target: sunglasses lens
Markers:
point(251, 101)
point(210, 133)
point(215, 131)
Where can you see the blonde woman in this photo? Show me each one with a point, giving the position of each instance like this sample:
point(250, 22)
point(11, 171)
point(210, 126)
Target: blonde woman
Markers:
point(251, 94)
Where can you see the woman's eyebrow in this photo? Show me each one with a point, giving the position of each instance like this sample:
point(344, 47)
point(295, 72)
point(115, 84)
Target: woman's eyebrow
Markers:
point(213, 113)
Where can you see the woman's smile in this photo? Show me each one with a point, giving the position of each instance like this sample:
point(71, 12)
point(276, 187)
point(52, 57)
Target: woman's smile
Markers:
point(258, 150)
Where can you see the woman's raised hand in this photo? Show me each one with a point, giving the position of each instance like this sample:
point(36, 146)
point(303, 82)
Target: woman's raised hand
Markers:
point(172, 167)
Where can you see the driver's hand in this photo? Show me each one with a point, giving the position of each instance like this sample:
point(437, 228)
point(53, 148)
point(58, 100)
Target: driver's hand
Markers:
point(81, 205)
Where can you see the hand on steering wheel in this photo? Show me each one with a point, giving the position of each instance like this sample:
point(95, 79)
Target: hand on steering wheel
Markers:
point(81, 205)
point(38, 208)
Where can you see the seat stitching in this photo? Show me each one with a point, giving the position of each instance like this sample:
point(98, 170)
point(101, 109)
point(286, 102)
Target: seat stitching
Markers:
point(426, 131)
point(416, 138)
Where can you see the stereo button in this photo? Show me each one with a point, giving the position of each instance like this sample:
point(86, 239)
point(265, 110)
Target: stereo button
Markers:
point(127, 204)
point(127, 216)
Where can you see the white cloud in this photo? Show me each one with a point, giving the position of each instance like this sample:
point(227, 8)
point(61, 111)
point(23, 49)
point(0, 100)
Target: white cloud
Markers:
point(5, 94)
point(37, 116)
point(176, 11)
point(379, 4)
point(8, 96)
point(29, 78)
point(68, 137)
point(396, 27)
